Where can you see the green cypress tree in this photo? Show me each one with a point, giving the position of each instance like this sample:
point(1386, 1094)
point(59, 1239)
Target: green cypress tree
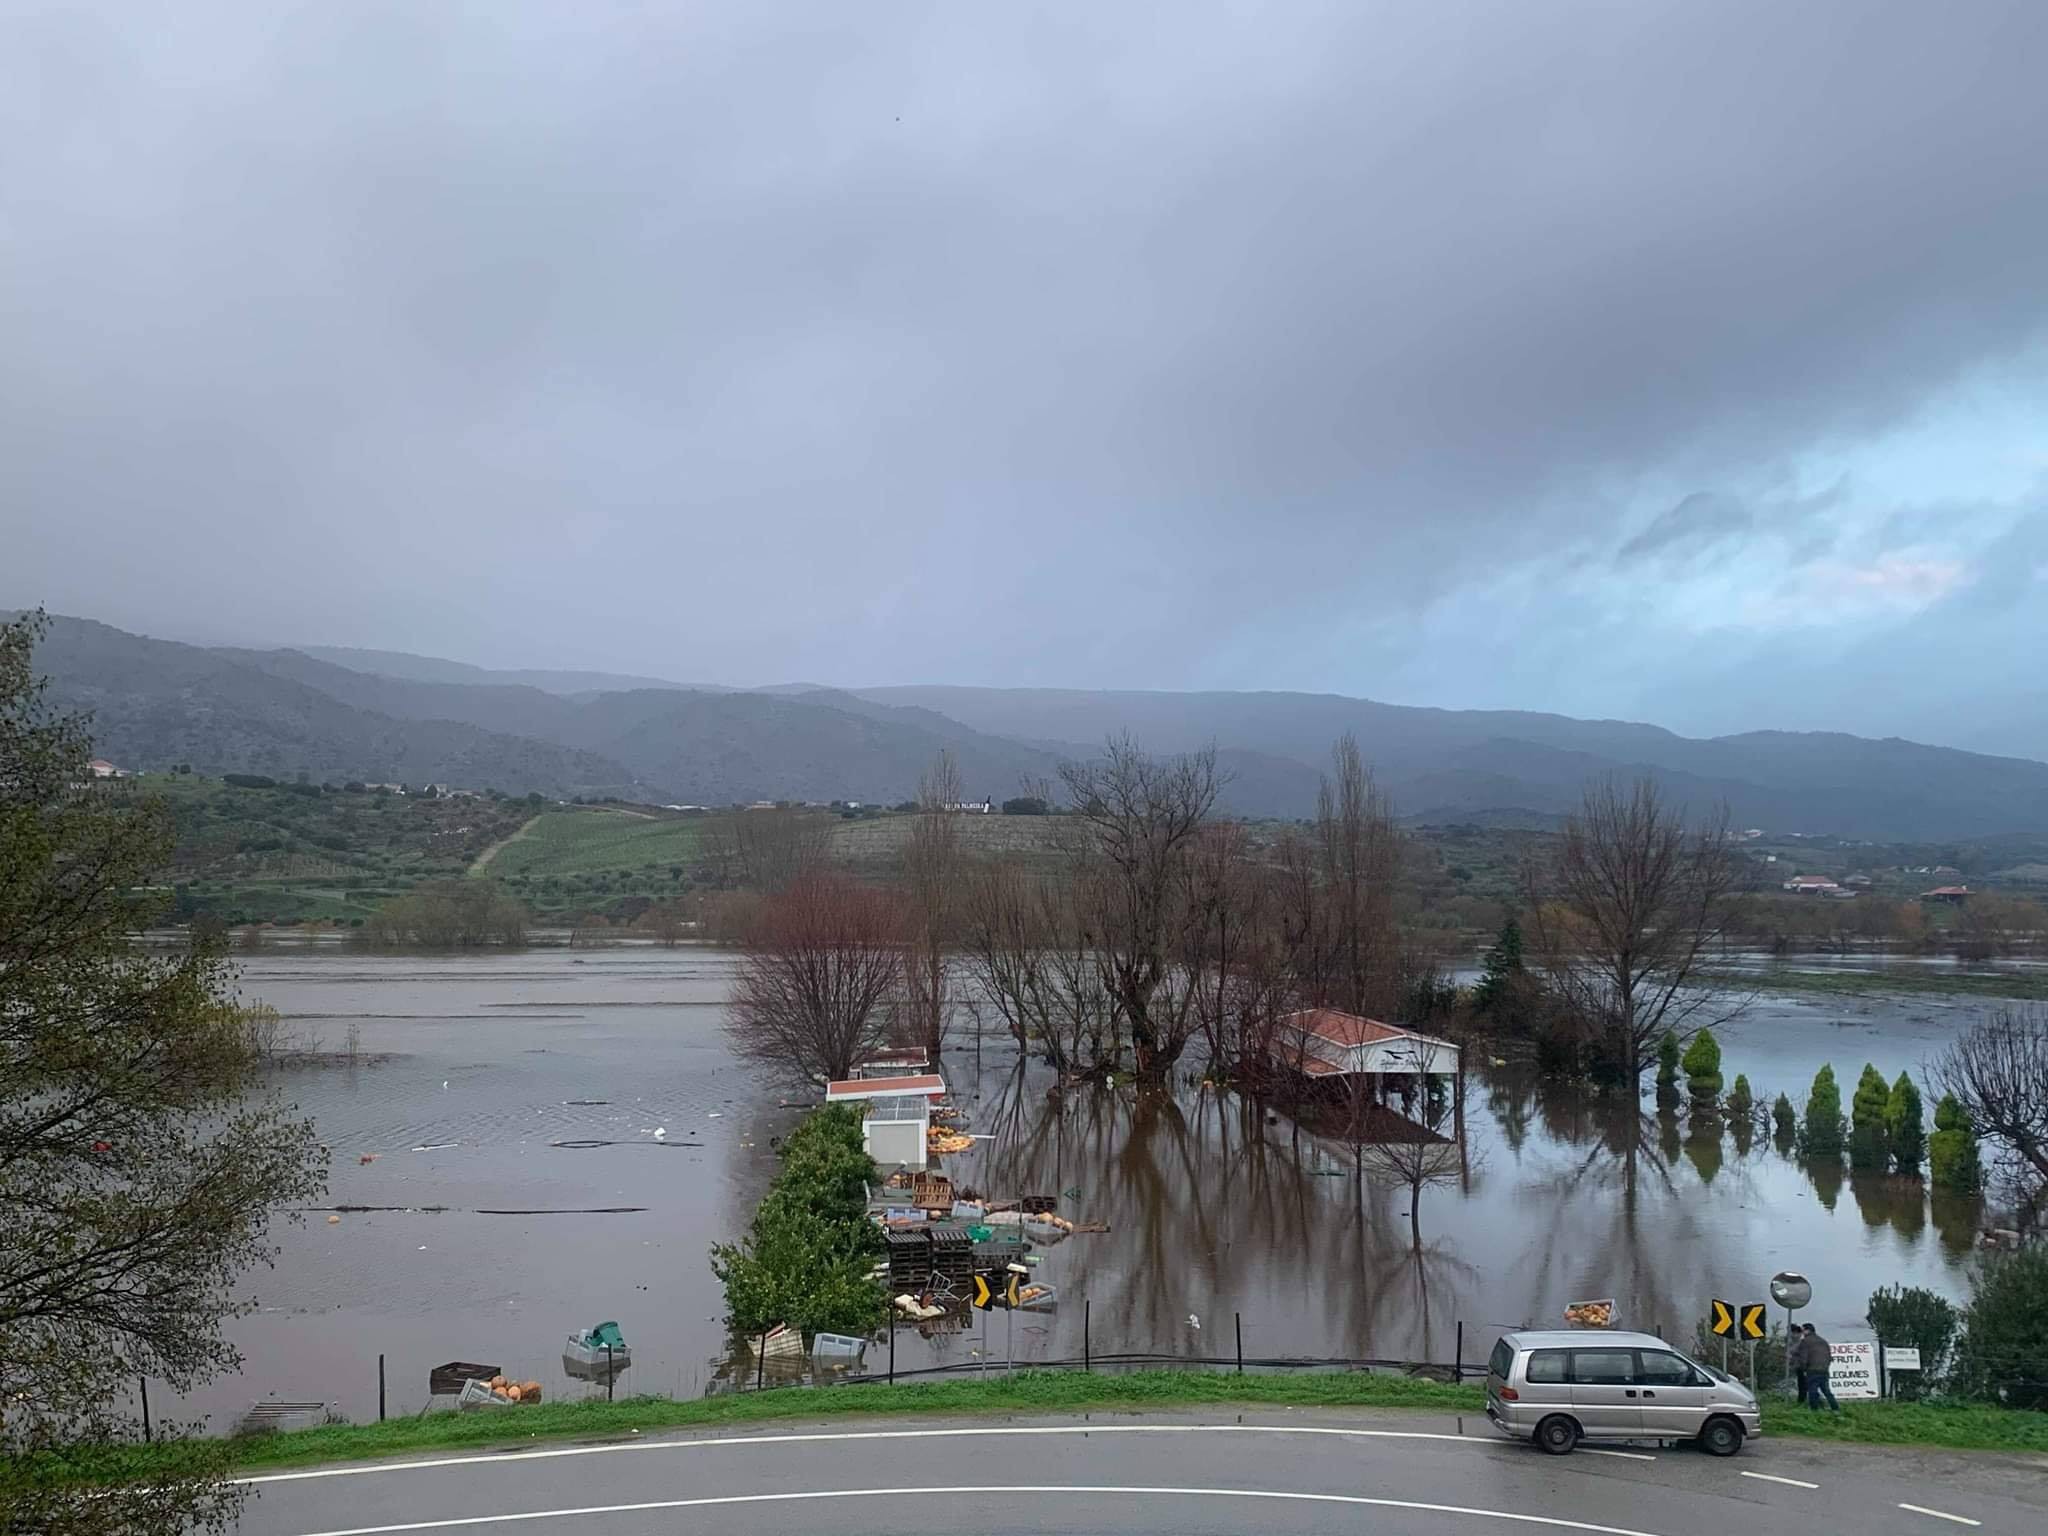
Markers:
point(1867, 1149)
point(1667, 1067)
point(1821, 1136)
point(1903, 1127)
point(1703, 1066)
point(1784, 1122)
point(1740, 1099)
point(1952, 1150)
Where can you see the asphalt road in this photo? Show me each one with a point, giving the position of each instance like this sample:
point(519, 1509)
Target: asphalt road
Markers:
point(1275, 1472)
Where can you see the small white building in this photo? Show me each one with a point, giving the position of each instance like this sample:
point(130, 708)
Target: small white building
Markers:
point(898, 1121)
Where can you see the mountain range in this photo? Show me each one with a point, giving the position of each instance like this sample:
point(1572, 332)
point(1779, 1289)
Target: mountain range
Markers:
point(337, 714)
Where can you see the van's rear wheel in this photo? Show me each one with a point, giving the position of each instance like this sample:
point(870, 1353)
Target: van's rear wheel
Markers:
point(1557, 1434)
point(1721, 1437)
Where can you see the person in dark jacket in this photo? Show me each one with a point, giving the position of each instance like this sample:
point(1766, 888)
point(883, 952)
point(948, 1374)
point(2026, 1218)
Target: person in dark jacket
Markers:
point(1815, 1355)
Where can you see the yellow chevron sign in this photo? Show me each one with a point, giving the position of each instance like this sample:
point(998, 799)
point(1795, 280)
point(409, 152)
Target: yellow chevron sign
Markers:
point(1724, 1319)
point(1753, 1320)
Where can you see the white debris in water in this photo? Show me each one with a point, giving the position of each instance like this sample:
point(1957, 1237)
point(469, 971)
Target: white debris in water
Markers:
point(716, 1115)
point(660, 1131)
point(1194, 1322)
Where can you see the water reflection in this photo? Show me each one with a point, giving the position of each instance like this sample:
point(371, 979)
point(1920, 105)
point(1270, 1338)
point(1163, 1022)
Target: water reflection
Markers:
point(1216, 1203)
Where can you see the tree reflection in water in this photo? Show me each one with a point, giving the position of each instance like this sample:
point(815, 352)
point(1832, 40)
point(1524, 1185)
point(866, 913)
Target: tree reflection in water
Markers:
point(1220, 1203)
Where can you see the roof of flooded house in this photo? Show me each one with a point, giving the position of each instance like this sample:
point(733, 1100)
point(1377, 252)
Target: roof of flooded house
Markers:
point(885, 1087)
point(1948, 890)
point(1345, 1029)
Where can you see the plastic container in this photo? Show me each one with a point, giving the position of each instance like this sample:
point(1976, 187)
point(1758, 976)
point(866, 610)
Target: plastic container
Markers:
point(837, 1346)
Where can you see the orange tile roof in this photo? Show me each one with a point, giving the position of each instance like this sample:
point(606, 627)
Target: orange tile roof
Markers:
point(1341, 1029)
point(885, 1087)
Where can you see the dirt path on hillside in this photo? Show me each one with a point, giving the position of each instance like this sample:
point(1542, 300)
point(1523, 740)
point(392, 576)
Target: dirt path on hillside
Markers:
point(482, 861)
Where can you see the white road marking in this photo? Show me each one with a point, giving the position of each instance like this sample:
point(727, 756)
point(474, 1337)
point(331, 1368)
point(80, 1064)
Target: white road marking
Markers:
point(1552, 1522)
point(1790, 1482)
point(1592, 1450)
point(887, 1434)
point(1941, 1514)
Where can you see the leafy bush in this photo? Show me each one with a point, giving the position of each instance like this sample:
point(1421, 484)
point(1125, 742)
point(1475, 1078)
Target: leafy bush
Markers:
point(1784, 1120)
point(2003, 1353)
point(806, 1258)
point(1911, 1316)
point(1667, 1064)
point(1821, 1136)
point(1903, 1128)
point(1866, 1120)
point(1703, 1066)
point(1741, 1102)
point(1952, 1149)
point(1025, 805)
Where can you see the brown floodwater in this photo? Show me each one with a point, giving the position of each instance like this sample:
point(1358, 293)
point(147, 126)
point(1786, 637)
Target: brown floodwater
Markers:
point(1218, 1209)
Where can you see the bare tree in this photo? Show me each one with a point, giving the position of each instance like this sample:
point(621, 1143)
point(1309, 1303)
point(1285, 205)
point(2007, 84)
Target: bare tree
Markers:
point(1031, 956)
point(1355, 838)
point(1417, 1154)
point(1998, 1071)
point(1138, 815)
point(1629, 916)
point(1232, 953)
point(824, 962)
point(775, 848)
point(931, 866)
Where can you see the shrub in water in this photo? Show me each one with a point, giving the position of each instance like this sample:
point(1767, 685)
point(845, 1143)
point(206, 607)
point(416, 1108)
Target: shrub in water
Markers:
point(1902, 1125)
point(1866, 1121)
point(1952, 1149)
point(1703, 1065)
point(1821, 1136)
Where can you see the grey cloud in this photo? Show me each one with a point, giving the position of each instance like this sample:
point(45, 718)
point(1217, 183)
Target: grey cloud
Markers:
point(1697, 521)
point(1113, 345)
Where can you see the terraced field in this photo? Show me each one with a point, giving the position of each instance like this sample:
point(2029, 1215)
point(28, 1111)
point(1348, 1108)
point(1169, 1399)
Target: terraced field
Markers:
point(588, 840)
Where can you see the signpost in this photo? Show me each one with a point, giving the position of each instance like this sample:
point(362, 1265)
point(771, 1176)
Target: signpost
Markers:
point(1017, 1274)
point(1752, 1323)
point(1897, 1359)
point(1722, 1326)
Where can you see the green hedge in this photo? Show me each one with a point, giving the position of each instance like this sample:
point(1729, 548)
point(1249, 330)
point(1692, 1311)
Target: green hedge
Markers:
point(805, 1259)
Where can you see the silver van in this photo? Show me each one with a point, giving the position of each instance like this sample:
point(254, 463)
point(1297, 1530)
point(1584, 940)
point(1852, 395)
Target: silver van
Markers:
point(1560, 1388)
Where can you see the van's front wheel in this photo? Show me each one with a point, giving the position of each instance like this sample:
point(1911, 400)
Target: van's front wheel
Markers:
point(1721, 1437)
point(1557, 1434)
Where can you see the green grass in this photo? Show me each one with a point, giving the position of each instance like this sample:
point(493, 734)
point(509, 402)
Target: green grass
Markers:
point(576, 842)
point(1031, 1392)
point(1904, 978)
point(1964, 1426)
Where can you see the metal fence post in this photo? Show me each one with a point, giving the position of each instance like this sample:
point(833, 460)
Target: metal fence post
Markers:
point(607, 1373)
point(760, 1358)
point(892, 1351)
point(1458, 1360)
point(1237, 1319)
point(146, 1435)
point(1087, 1363)
point(380, 1388)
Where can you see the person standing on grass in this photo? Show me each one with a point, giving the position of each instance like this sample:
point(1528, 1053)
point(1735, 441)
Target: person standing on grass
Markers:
point(1818, 1354)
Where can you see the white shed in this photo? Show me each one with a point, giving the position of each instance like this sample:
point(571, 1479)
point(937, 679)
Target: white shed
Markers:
point(898, 1119)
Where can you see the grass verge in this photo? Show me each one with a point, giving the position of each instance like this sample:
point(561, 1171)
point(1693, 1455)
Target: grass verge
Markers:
point(1970, 1427)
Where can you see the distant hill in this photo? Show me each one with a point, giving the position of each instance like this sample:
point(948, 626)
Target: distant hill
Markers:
point(432, 669)
point(282, 712)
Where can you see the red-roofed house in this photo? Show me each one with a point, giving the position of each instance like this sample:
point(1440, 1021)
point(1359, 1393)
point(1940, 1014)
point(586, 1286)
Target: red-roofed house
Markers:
point(1323, 1042)
point(1954, 895)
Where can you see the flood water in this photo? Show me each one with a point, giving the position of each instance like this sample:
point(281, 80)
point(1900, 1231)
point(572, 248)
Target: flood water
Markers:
point(1218, 1209)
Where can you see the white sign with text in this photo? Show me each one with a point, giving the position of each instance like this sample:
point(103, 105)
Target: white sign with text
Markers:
point(1853, 1370)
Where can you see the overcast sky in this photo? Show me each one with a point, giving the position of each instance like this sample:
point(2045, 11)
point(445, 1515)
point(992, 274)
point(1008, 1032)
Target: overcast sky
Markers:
point(1685, 363)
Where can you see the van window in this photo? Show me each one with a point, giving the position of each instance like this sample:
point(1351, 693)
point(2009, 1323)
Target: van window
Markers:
point(1502, 1360)
point(1604, 1367)
point(1664, 1370)
point(1547, 1365)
